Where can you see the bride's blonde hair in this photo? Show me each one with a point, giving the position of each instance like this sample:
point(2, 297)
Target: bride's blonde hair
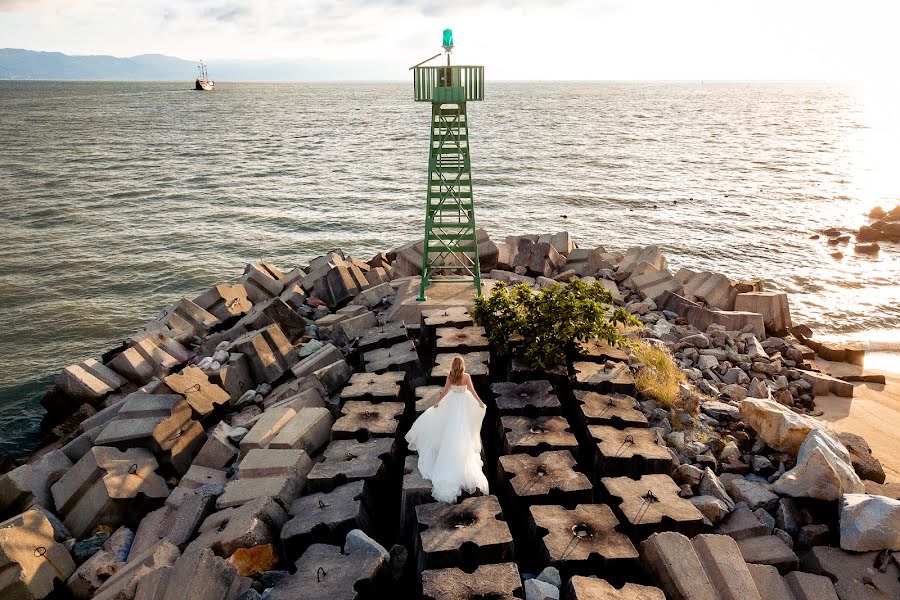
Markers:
point(457, 368)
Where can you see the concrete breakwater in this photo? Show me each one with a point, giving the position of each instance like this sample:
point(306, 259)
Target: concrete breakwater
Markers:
point(248, 443)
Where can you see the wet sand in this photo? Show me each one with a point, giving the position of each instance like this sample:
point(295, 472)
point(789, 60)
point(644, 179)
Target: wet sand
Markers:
point(873, 412)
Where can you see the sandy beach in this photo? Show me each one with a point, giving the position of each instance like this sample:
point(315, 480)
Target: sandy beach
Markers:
point(873, 412)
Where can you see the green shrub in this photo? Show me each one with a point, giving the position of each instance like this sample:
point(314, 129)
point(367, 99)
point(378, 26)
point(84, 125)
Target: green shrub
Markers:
point(552, 321)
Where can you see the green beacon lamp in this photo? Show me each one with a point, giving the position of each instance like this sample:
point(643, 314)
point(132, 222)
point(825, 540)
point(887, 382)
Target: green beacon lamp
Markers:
point(450, 251)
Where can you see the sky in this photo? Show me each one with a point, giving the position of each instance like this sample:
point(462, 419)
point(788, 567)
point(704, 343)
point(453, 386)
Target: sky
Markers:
point(853, 40)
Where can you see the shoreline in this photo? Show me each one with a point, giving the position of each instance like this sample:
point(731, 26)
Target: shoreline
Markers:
point(251, 404)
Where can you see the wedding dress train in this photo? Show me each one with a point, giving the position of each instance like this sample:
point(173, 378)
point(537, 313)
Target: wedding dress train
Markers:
point(448, 440)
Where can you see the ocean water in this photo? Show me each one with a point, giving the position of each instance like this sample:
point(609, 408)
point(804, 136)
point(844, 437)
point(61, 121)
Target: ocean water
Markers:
point(118, 198)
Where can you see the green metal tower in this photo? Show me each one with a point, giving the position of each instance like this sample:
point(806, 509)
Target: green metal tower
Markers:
point(450, 252)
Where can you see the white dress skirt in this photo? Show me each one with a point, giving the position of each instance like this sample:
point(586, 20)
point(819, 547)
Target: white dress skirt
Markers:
point(448, 440)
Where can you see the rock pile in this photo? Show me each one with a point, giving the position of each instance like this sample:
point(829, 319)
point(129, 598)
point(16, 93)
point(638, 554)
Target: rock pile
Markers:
point(249, 443)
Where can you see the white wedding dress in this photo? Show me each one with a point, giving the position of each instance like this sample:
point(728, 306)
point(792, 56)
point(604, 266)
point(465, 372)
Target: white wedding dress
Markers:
point(448, 440)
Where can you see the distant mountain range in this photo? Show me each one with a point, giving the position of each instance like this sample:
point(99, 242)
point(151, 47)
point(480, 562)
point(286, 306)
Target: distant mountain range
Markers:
point(29, 64)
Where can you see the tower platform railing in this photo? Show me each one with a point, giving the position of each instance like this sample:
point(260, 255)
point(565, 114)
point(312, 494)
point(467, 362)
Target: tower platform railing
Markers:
point(455, 83)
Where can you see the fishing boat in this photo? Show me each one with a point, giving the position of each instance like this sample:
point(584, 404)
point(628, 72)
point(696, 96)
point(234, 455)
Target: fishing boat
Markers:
point(204, 83)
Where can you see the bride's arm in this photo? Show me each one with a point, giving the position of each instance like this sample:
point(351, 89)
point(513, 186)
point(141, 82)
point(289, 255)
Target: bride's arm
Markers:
point(443, 393)
point(472, 390)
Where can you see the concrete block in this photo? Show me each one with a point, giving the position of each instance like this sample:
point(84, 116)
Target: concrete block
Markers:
point(105, 485)
point(631, 451)
point(524, 435)
point(415, 490)
point(709, 567)
point(307, 392)
point(269, 424)
point(325, 572)
point(477, 366)
point(652, 285)
point(383, 336)
point(293, 295)
point(701, 317)
point(375, 277)
point(586, 262)
point(374, 387)
point(201, 394)
point(30, 557)
point(255, 523)
point(471, 532)
point(769, 550)
point(637, 255)
point(325, 518)
point(599, 351)
point(426, 396)
point(89, 380)
point(431, 319)
point(603, 378)
point(217, 452)
point(322, 357)
point(591, 588)
point(364, 420)
point(122, 584)
point(539, 258)
point(280, 474)
point(196, 476)
point(824, 384)
point(613, 410)
point(234, 376)
point(651, 504)
point(548, 478)
point(500, 582)
point(773, 306)
point(348, 460)
point(350, 329)
point(161, 423)
point(399, 357)
point(741, 524)
point(806, 586)
point(269, 353)
point(262, 281)
point(334, 376)
point(29, 484)
point(529, 399)
point(600, 545)
point(340, 285)
point(409, 256)
point(461, 339)
point(309, 430)
point(855, 575)
point(224, 301)
point(770, 584)
point(319, 267)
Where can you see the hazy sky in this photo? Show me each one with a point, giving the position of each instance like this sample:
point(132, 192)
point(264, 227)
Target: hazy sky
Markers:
point(515, 39)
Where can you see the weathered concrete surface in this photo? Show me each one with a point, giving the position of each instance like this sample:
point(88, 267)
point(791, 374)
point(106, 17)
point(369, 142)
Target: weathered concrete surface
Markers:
point(582, 541)
point(202, 395)
point(471, 532)
point(652, 504)
point(269, 424)
point(325, 572)
point(149, 354)
point(522, 435)
point(600, 351)
point(309, 430)
point(322, 357)
point(104, 485)
point(224, 301)
point(855, 576)
point(30, 557)
point(701, 317)
point(589, 588)
point(382, 336)
point(29, 484)
point(806, 586)
point(615, 410)
point(631, 451)
point(770, 584)
point(549, 478)
point(520, 371)
point(431, 320)
point(262, 281)
point(269, 353)
point(652, 285)
point(529, 399)
point(586, 262)
point(824, 384)
point(498, 582)
point(773, 306)
point(89, 380)
point(460, 339)
point(92, 573)
point(603, 378)
point(121, 585)
point(195, 477)
point(768, 550)
point(253, 524)
point(348, 460)
point(280, 474)
point(742, 524)
point(162, 423)
point(399, 357)
point(234, 376)
point(352, 328)
point(201, 575)
point(426, 396)
point(364, 420)
point(709, 567)
point(415, 490)
point(325, 518)
point(217, 452)
point(374, 387)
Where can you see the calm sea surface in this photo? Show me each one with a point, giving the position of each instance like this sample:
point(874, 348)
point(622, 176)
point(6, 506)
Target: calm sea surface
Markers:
point(118, 198)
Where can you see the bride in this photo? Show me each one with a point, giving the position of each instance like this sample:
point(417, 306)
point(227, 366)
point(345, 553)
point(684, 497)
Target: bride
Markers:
point(448, 438)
